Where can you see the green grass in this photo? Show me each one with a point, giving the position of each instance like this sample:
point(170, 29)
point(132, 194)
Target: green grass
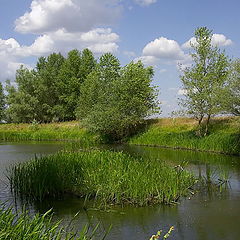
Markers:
point(52, 131)
point(224, 135)
point(16, 226)
point(105, 176)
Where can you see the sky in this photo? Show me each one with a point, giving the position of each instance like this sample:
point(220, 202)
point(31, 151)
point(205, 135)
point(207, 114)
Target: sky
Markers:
point(157, 32)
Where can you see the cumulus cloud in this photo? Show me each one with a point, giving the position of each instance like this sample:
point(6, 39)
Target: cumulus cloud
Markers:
point(99, 40)
point(73, 15)
point(147, 60)
point(163, 48)
point(219, 40)
point(145, 2)
point(182, 92)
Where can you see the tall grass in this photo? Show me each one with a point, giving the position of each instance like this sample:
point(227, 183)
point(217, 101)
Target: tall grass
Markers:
point(224, 135)
point(15, 226)
point(51, 131)
point(107, 177)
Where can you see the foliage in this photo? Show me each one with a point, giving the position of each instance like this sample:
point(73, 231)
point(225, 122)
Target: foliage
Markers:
point(15, 226)
point(231, 97)
point(114, 100)
point(2, 102)
point(110, 177)
point(206, 79)
point(51, 90)
point(64, 131)
point(179, 133)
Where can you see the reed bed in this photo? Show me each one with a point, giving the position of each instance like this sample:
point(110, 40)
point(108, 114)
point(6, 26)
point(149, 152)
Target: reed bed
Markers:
point(224, 136)
point(15, 226)
point(105, 176)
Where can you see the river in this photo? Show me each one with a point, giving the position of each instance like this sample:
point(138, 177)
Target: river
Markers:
point(210, 214)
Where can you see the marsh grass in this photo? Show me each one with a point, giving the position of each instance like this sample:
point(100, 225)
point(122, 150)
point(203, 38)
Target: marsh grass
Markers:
point(20, 225)
point(105, 176)
point(224, 135)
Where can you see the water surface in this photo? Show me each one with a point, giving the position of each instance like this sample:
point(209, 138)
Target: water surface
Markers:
point(211, 214)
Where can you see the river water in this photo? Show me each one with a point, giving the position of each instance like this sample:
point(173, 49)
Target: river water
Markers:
point(211, 214)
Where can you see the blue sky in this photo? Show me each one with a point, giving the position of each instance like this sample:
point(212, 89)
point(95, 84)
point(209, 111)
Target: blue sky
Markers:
point(154, 31)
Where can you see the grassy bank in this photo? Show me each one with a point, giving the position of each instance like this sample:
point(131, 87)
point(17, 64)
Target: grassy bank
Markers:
point(107, 177)
point(15, 226)
point(65, 131)
point(224, 136)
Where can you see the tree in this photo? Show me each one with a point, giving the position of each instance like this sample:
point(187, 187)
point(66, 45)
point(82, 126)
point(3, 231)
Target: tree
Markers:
point(205, 80)
point(73, 73)
point(114, 100)
point(231, 97)
point(2, 102)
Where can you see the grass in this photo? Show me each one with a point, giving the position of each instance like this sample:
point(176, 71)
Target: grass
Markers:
point(15, 226)
point(224, 135)
point(105, 176)
point(51, 131)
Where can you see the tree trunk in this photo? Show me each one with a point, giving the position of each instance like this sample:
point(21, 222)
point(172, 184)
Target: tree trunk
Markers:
point(207, 124)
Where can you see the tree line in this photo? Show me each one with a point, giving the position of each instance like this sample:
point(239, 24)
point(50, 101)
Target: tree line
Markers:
point(106, 97)
point(113, 100)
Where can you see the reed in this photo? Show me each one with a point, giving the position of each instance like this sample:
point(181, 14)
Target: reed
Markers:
point(20, 225)
point(105, 176)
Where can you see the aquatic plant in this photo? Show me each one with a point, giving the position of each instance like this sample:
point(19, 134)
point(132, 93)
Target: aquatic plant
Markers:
point(105, 176)
point(159, 233)
point(20, 225)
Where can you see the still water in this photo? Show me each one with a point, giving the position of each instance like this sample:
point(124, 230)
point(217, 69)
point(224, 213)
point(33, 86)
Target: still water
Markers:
point(211, 214)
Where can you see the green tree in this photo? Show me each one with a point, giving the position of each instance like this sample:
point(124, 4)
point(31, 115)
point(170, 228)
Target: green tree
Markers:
point(206, 79)
point(73, 73)
point(231, 97)
point(114, 100)
point(2, 102)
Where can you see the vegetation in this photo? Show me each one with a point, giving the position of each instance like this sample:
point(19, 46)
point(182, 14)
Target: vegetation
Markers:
point(49, 92)
point(105, 176)
point(52, 131)
point(2, 102)
point(15, 226)
point(114, 101)
point(205, 81)
point(224, 135)
point(231, 97)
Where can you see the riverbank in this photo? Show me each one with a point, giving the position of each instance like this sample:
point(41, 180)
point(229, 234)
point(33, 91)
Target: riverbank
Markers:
point(178, 133)
point(62, 131)
point(181, 133)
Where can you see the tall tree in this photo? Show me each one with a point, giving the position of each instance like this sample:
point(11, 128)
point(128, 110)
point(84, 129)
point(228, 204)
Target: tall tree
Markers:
point(206, 79)
point(114, 100)
point(231, 97)
point(73, 73)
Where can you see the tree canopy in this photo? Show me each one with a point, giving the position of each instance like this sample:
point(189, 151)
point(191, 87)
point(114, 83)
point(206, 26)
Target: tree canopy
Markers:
point(114, 100)
point(205, 79)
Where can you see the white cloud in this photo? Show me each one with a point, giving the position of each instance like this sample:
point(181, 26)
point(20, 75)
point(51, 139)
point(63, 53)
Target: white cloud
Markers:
point(163, 48)
point(73, 15)
point(99, 40)
point(145, 2)
point(219, 40)
point(182, 92)
point(147, 60)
